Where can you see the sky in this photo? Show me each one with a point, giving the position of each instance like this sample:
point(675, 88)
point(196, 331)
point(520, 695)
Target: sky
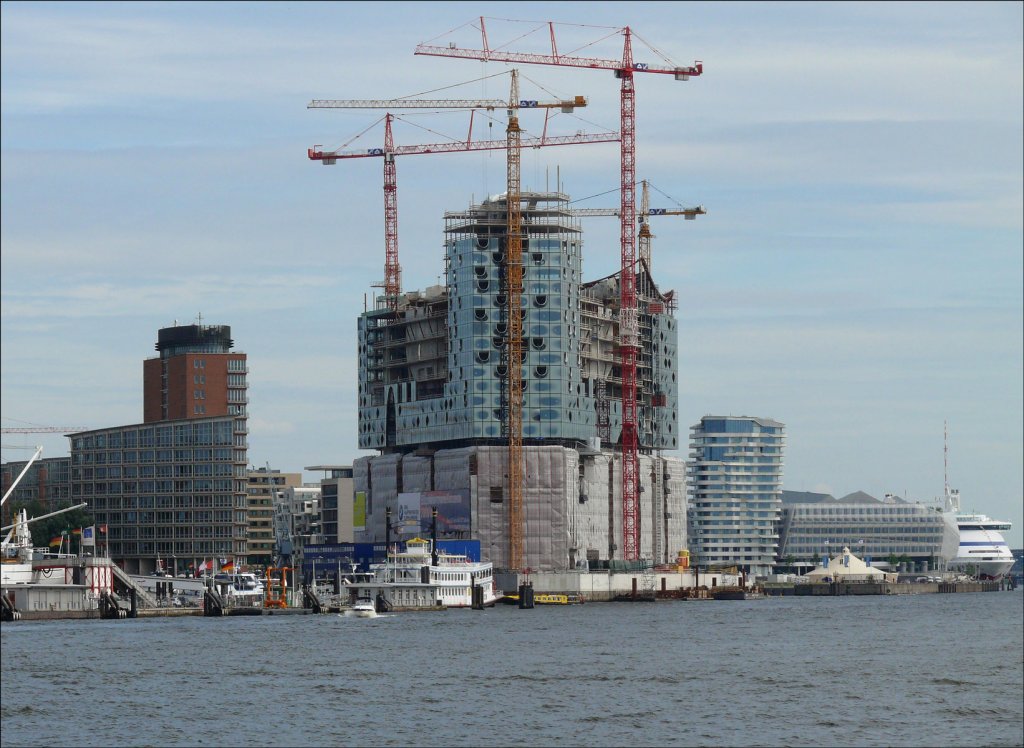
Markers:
point(858, 275)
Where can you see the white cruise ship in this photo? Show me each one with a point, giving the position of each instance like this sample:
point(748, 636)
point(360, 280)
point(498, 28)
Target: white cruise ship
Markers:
point(983, 551)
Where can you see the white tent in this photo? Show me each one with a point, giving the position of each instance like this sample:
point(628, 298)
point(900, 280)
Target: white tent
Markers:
point(846, 568)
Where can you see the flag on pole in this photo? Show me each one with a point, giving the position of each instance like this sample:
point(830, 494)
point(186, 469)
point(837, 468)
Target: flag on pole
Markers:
point(204, 566)
point(229, 566)
point(56, 540)
point(77, 531)
point(860, 542)
point(103, 529)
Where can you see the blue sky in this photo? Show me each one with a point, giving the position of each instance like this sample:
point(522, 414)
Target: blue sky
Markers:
point(858, 275)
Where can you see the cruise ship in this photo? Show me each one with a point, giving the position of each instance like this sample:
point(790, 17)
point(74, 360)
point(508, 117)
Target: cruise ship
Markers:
point(983, 551)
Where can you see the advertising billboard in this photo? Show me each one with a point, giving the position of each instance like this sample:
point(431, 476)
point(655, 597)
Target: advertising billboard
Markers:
point(359, 512)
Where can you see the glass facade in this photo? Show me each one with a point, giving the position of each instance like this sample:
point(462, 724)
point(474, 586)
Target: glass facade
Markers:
point(735, 484)
point(47, 480)
point(435, 372)
point(921, 537)
point(173, 492)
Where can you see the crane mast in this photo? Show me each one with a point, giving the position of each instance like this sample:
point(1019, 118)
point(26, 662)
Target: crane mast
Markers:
point(392, 270)
point(628, 324)
point(513, 344)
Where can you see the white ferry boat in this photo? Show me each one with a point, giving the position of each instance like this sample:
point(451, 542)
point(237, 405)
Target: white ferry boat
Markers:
point(420, 577)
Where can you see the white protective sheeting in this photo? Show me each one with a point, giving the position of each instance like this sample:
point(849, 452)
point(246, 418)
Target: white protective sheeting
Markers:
point(596, 521)
point(416, 473)
point(549, 488)
point(383, 493)
point(675, 498)
point(572, 505)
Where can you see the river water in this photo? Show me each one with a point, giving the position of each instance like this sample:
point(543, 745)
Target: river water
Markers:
point(913, 670)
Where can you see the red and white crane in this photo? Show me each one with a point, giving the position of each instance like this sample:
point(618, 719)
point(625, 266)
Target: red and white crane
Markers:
point(624, 69)
point(392, 268)
point(512, 348)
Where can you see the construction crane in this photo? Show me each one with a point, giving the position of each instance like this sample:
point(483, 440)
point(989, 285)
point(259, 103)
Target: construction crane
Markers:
point(644, 235)
point(512, 351)
point(513, 277)
point(624, 69)
point(392, 268)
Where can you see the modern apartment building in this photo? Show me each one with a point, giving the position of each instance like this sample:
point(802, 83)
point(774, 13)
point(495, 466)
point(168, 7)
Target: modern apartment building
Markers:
point(735, 488)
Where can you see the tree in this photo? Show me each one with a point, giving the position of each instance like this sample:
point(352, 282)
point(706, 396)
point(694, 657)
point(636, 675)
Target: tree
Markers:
point(46, 529)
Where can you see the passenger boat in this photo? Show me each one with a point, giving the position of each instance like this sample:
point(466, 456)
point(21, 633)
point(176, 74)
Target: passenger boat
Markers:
point(422, 577)
point(548, 598)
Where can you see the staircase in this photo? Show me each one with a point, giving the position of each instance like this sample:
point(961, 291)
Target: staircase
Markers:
point(144, 599)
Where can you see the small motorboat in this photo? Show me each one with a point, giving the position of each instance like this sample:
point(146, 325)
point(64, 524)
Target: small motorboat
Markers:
point(363, 608)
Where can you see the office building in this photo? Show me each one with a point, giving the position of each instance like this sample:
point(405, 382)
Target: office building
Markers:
point(172, 490)
point(48, 481)
point(891, 532)
point(263, 484)
point(337, 493)
point(171, 494)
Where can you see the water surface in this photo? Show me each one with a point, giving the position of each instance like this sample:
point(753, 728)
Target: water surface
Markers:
point(910, 670)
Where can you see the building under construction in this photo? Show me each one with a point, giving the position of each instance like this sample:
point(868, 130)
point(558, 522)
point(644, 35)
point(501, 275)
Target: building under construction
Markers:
point(433, 399)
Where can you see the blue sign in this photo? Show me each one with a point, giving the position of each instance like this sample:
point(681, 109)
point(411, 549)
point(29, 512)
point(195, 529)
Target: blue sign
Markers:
point(527, 103)
point(640, 66)
point(656, 211)
point(375, 151)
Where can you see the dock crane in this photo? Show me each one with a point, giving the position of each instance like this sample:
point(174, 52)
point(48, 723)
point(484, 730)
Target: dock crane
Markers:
point(623, 69)
point(392, 269)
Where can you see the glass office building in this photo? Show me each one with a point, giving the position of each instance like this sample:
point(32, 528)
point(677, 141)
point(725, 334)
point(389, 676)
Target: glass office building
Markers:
point(170, 494)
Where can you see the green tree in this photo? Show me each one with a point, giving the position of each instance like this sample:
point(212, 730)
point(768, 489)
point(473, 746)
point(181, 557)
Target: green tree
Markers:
point(46, 529)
